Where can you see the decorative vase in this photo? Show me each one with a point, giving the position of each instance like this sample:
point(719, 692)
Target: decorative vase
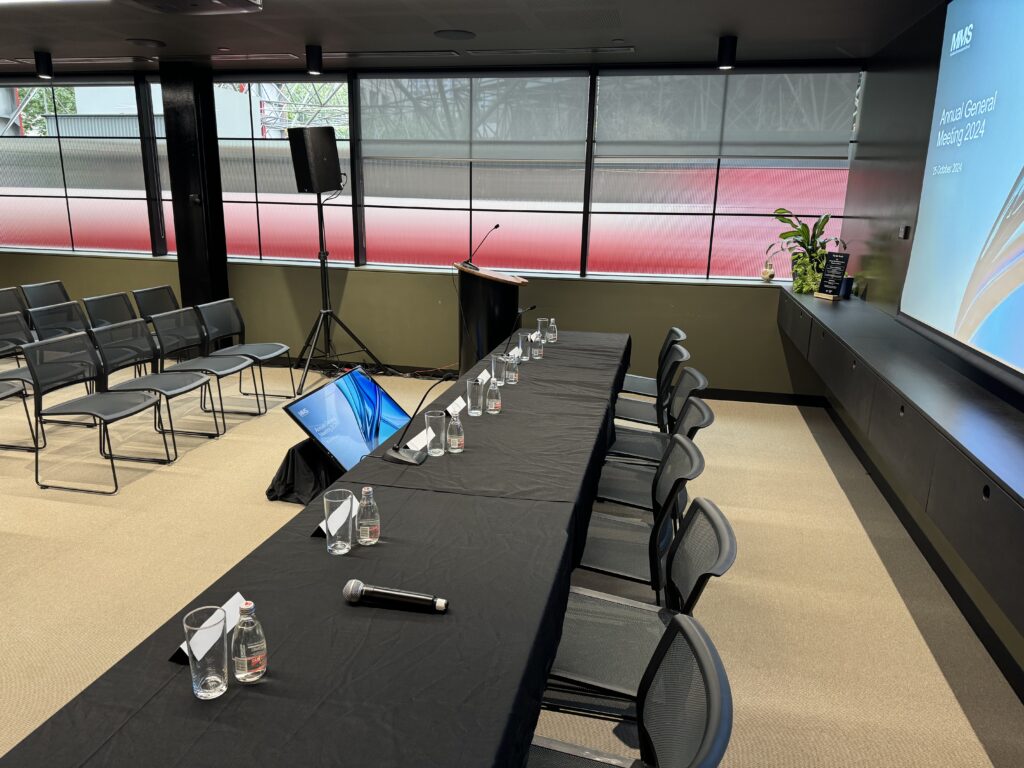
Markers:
point(768, 273)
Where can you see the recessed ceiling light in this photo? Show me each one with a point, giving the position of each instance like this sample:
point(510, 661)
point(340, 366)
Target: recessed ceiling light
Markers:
point(146, 42)
point(455, 34)
point(223, 50)
point(618, 41)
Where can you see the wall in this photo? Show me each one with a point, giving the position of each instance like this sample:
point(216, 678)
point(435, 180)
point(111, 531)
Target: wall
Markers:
point(410, 319)
point(887, 170)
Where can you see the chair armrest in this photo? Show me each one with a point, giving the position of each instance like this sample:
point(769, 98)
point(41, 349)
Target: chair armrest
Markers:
point(603, 758)
point(593, 593)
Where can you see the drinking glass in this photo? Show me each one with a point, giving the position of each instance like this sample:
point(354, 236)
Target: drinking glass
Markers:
point(524, 345)
point(512, 370)
point(498, 369)
point(339, 512)
point(206, 640)
point(474, 397)
point(435, 432)
point(544, 327)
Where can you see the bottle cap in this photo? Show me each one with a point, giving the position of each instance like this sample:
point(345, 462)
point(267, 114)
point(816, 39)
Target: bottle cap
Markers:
point(247, 607)
point(367, 489)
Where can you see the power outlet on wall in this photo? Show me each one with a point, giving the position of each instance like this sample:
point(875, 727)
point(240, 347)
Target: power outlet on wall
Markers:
point(904, 233)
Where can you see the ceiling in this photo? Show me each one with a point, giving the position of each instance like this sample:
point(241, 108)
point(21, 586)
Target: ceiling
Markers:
point(658, 31)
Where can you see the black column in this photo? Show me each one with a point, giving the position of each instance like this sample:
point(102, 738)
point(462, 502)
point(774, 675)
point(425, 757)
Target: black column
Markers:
point(151, 166)
point(355, 175)
point(194, 164)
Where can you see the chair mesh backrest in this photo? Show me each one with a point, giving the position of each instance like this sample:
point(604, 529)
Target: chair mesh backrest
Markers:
point(178, 330)
point(14, 331)
point(58, 320)
point(677, 355)
point(673, 336)
point(11, 300)
point(124, 344)
point(690, 380)
point(705, 546)
point(222, 320)
point(684, 705)
point(109, 309)
point(681, 461)
point(58, 362)
point(155, 301)
point(45, 294)
point(696, 415)
point(664, 534)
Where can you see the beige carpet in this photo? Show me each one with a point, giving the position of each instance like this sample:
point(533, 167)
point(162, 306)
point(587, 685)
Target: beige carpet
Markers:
point(830, 665)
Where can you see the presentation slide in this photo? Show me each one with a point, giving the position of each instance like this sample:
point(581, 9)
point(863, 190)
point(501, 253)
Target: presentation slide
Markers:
point(967, 263)
point(349, 416)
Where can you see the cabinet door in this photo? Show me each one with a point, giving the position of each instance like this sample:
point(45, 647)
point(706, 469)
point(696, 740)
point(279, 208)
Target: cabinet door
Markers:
point(902, 443)
point(794, 322)
point(848, 379)
point(983, 524)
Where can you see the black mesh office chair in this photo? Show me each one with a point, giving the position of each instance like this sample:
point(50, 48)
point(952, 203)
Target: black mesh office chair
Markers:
point(180, 331)
point(648, 385)
point(9, 389)
point(684, 709)
point(45, 294)
point(648, 446)
point(636, 484)
point(223, 322)
point(655, 413)
point(14, 334)
point(109, 309)
point(12, 300)
point(69, 360)
point(607, 639)
point(633, 549)
point(155, 301)
point(57, 320)
point(131, 344)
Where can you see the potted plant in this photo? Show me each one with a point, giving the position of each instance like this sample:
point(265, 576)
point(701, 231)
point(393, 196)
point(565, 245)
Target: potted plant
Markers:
point(806, 245)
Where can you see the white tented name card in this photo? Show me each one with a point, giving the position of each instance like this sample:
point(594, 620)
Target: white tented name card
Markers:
point(338, 518)
point(484, 377)
point(535, 336)
point(421, 440)
point(208, 634)
point(517, 352)
point(456, 408)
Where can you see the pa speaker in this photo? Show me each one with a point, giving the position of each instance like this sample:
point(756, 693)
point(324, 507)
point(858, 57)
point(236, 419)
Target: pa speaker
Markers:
point(315, 158)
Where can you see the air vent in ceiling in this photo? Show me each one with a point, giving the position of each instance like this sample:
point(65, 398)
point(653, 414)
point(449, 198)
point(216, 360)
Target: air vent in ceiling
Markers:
point(200, 7)
point(550, 51)
point(254, 57)
point(81, 60)
point(390, 55)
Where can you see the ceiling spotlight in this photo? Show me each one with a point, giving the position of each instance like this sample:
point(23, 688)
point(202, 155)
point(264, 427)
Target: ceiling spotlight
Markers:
point(455, 34)
point(314, 59)
point(44, 65)
point(727, 52)
point(146, 42)
point(224, 50)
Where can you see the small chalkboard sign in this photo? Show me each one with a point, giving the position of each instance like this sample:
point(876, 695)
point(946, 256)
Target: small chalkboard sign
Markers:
point(832, 276)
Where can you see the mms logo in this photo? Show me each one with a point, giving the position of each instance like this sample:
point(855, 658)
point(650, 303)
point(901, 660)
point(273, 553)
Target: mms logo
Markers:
point(304, 412)
point(961, 40)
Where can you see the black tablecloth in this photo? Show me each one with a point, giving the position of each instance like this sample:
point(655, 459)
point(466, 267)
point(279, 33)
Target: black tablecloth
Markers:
point(362, 686)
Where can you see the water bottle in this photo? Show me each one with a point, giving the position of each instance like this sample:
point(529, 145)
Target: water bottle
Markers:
point(552, 332)
point(368, 519)
point(493, 398)
point(456, 435)
point(248, 645)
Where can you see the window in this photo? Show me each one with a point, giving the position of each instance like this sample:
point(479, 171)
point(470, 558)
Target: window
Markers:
point(71, 168)
point(688, 168)
point(265, 216)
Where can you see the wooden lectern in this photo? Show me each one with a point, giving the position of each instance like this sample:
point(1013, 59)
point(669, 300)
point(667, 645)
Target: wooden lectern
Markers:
point(489, 303)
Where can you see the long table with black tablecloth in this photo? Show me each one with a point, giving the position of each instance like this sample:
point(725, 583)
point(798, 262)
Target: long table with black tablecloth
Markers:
point(493, 530)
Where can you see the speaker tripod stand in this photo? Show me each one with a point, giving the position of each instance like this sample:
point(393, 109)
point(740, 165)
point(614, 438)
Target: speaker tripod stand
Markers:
point(322, 326)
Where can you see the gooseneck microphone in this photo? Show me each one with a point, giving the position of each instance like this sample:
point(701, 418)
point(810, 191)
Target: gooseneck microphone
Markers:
point(469, 262)
point(396, 454)
point(515, 322)
point(356, 592)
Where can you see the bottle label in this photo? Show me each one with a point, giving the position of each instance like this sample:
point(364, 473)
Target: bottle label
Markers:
point(252, 658)
point(456, 443)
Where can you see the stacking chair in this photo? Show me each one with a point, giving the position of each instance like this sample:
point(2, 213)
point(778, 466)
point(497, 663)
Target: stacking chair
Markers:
point(684, 709)
point(57, 320)
point(223, 322)
point(607, 639)
point(647, 446)
point(155, 301)
point(654, 413)
point(14, 334)
point(72, 359)
point(9, 389)
point(11, 300)
point(634, 549)
point(131, 344)
point(636, 485)
point(45, 294)
point(179, 331)
point(109, 309)
point(648, 385)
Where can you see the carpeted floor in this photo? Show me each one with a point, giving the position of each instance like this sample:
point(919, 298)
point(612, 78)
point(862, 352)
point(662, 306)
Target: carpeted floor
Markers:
point(841, 646)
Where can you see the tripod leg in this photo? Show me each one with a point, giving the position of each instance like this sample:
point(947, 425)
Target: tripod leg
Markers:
point(315, 334)
point(310, 342)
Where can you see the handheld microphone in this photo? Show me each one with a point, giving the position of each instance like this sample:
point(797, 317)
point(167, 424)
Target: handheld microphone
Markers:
point(356, 592)
point(469, 262)
point(515, 322)
point(396, 454)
